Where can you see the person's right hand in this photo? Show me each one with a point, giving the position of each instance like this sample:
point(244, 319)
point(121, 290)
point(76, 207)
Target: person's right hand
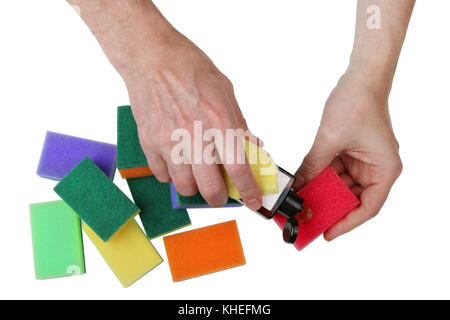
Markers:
point(172, 83)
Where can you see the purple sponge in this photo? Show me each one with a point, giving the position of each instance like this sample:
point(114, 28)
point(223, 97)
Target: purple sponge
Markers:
point(61, 153)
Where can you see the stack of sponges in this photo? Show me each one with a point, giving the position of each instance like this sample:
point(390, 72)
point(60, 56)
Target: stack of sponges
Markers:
point(89, 194)
point(109, 221)
point(86, 169)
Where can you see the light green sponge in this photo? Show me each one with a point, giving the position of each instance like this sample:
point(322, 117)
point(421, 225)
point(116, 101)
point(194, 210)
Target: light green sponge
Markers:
point(57, 240)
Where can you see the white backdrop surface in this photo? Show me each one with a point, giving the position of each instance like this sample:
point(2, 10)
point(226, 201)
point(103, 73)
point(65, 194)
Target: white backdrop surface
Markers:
point(284, 58)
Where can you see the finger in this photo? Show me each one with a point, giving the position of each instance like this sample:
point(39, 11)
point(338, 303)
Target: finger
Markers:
point(158, 167)
point(347, 179)
point(357, 190)
point(210, 182)
point(236, 165)
point(242, 123)
point(338, 165)
point(372, 199)
point(318, 159)
point(242, 177)
point(183, 179)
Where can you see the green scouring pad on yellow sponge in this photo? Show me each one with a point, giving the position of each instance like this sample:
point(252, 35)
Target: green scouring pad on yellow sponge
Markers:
point(96, 199)
point(157, 215)
point(57, 240)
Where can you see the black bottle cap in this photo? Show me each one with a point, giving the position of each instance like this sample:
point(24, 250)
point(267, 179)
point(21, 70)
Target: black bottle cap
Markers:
point(291, 205)
point(290, 230)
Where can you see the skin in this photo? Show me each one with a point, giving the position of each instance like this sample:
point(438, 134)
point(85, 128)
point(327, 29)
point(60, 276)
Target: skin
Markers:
point(172, 83)
point(355, 136)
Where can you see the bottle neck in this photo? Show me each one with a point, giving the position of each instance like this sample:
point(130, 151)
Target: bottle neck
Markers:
point(292, 205)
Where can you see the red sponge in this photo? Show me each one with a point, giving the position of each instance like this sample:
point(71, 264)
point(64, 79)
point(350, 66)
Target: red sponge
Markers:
point(330, 200)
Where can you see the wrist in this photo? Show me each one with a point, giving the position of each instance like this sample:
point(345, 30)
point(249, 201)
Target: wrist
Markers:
point(374, 65)
point(129, 32)
point(375, 76)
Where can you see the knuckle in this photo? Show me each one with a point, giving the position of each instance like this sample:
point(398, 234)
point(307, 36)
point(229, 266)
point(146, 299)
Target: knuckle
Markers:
point(396, 167)
point(145, 139)
point(162, 177)
point(236, 170)
point(212, 191)
point(308, 165)
point(328, 136)
point(186, 187)
point(371, 214)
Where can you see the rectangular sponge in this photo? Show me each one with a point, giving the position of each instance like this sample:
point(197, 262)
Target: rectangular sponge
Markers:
point(329, 198)
point(205, 250)
point(263, 169)
point(129, 254)
point(57, 240)
point(131, 160)
point(61, 153)
point(157, 215)
point(96, 199)
point(197, 201)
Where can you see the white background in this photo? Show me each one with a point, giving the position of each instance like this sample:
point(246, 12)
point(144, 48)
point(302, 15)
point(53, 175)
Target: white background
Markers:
point(284, 58)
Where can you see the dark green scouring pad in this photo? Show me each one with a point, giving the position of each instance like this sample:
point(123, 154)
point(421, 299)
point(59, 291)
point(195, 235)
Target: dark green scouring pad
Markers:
point(157, 215)
point(129, 151)
point(98, 201)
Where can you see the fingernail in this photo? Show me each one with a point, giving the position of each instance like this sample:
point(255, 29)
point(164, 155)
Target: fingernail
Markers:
point(309, 214)
point(329, 237)
point(254, 204)
point(306, 215)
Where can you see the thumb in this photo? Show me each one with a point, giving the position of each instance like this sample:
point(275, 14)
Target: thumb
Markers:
point(320, 156)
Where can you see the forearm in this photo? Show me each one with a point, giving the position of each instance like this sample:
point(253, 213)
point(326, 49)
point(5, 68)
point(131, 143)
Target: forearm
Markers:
point(378, 43)
point(125, 30)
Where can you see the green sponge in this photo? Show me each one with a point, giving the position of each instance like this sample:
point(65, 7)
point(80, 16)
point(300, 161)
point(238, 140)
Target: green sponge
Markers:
point(57, 240)
point(98, 201)
point(131, 160)
point(157, 215)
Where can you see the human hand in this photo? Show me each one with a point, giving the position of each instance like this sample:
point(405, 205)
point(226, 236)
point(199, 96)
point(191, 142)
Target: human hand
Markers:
point(172, 83)
point(356, 139)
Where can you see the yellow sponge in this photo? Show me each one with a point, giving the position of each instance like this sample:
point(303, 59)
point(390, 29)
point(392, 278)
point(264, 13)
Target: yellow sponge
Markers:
point(263, 169)
point(129, 253)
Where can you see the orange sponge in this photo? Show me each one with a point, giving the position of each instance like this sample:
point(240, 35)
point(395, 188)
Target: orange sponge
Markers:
point(205, 250)
point(138, 172)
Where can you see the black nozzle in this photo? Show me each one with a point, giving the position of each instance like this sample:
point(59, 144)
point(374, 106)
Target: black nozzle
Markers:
point(290, 230)
point(290, 207)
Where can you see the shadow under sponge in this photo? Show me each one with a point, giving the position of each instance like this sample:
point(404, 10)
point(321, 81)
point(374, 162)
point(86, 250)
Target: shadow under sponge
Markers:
point(129, 254)
point(205, 250)
point(61, 153)
point(329, 198)
point(181, 202)
point(96, 199)
point(57, 240)
point(131, 160)
point(157, 215)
